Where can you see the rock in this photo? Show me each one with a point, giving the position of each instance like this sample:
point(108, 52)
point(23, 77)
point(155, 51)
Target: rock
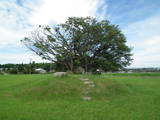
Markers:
point(92, 85)
point(86, 98)
point(59, 74)
point(89, 73)
point(88, 82)
point(80, 70)
point(84, 79)
point(86, 92)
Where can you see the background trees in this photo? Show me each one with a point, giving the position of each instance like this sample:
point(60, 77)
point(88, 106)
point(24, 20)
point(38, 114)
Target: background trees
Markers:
point(81, 42)
point(26, 68)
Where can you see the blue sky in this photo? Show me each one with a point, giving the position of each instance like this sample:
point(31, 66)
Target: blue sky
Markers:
point(139, 20)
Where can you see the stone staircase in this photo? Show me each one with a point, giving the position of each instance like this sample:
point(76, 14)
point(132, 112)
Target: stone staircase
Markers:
point(89, 85)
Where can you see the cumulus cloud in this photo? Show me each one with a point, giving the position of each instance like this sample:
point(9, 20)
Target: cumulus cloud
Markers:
point(13, 22)
point(144, 37)
point(20, 58)
point(59, 10)
point(17, 17)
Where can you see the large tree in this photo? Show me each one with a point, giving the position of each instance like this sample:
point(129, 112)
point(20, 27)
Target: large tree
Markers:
point(81, 42)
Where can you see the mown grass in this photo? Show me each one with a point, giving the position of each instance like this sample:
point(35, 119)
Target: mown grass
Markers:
point(115, 97)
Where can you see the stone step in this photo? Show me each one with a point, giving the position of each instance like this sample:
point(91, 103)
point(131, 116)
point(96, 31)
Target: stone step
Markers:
point(88, 82)
point(85, 92)
point(87, 98)
point(92, 85)
point(84, 79)
point(89, 85)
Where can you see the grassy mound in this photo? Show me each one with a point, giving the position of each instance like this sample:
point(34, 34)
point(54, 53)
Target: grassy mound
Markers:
point(39, 97)
point(48, 87)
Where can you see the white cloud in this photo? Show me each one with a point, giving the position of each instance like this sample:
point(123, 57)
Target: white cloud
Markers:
point(20, 58)
point(144, 37)
point(16, 20)
point(12, 22)
point(149, 53)
point(59, 10)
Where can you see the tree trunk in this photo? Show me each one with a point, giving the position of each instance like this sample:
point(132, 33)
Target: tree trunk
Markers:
point(86, 65)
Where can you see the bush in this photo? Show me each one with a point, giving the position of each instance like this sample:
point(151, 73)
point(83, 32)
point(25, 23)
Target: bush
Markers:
point(13, 71)
point(1, 73)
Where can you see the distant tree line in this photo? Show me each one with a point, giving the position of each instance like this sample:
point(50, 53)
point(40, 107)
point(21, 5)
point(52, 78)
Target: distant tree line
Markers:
point(143, 70)
point(26, 68)
point(51, 67)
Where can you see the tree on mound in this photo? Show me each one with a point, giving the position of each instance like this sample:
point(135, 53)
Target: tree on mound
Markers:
point(81, 42)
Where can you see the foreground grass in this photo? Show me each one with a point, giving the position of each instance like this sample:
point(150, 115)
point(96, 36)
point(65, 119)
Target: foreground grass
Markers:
point(115, 97)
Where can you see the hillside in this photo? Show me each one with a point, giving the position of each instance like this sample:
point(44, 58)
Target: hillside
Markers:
point(114, 97)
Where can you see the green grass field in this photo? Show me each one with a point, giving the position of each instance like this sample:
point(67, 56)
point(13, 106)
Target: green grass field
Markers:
point(115, 97)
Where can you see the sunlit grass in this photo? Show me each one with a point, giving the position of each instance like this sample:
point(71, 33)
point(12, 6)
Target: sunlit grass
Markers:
point(45, 97)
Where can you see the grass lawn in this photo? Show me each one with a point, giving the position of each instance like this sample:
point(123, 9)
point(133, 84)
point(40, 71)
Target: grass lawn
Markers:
point(115, 97)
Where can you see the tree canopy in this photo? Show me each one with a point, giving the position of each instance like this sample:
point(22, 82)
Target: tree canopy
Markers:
point(81, 42)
